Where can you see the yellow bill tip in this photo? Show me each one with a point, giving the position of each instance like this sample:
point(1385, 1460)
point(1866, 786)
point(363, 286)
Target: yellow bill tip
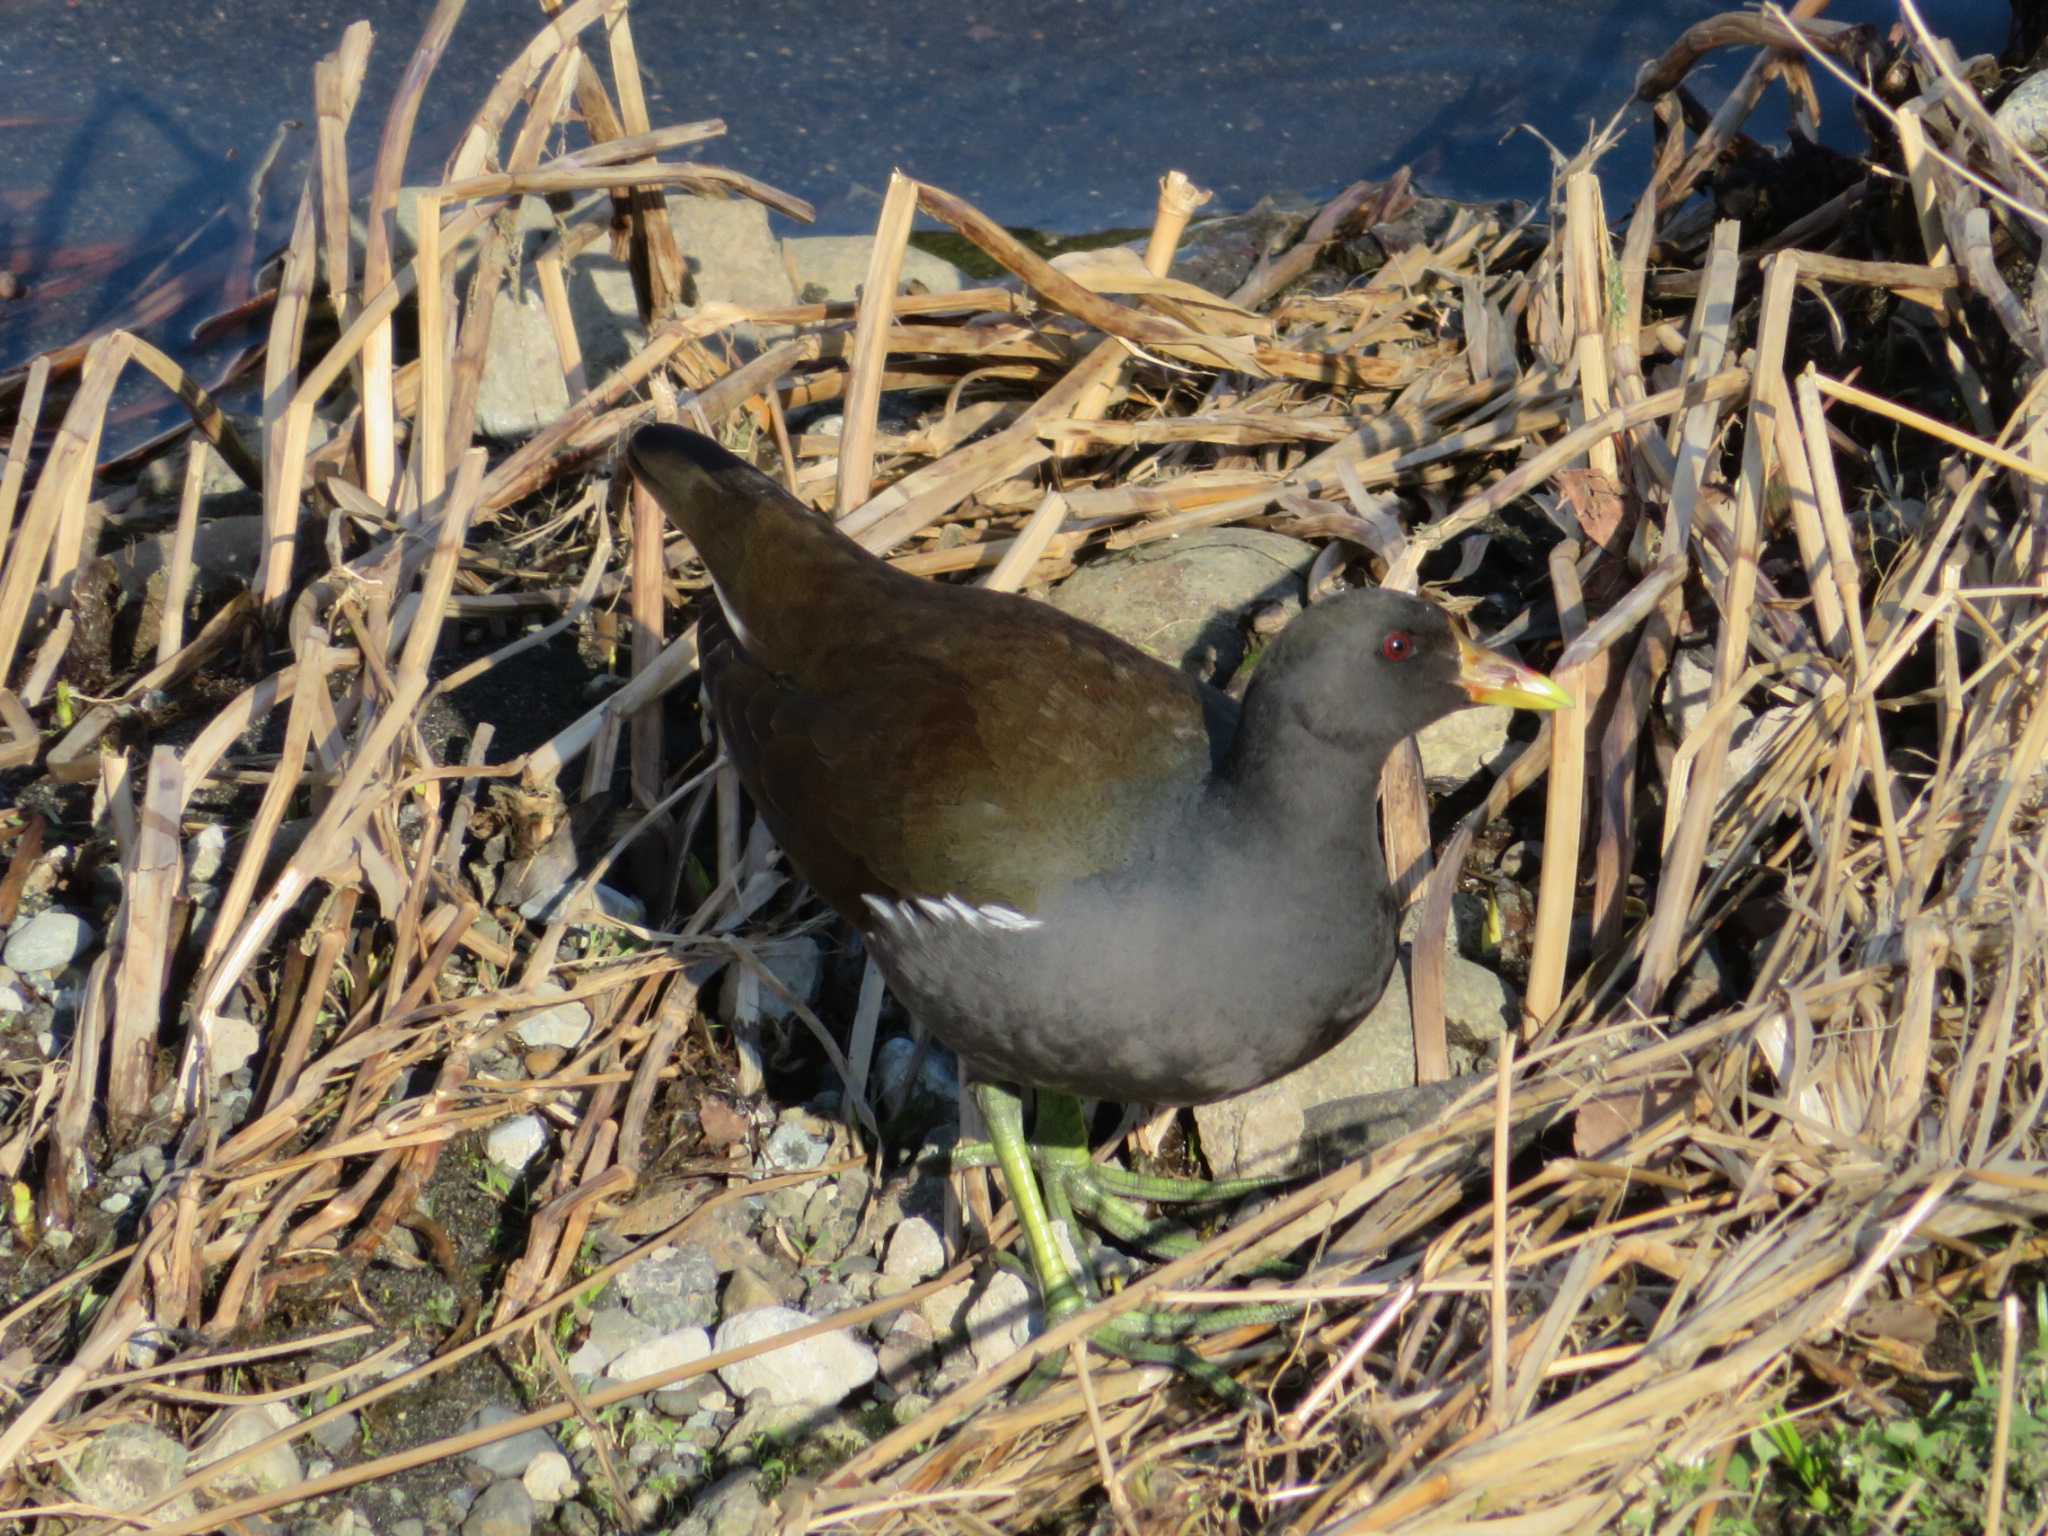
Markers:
point(1491, 678)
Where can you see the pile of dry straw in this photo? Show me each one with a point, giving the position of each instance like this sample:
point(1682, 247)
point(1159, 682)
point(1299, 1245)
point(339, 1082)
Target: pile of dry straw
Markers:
point(1725, 1200)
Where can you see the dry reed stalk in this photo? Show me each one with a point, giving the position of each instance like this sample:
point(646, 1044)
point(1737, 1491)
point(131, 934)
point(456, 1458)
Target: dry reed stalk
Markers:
point(170, 637)
point(150, 875)
point(337, 84)
point(871, 328)
point(1564, 810)
point(280, 365)
point(15, 473)
point(47, 540)
point(374, 375)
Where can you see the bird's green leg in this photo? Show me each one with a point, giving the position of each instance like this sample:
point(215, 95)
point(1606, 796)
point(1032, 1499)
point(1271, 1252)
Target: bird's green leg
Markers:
point(1059, 1147)
point(1105, 1193)
point(1004, 1111)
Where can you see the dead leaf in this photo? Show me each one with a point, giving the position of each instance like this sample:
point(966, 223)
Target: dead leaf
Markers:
point(1595, 500)
point(723, 1126)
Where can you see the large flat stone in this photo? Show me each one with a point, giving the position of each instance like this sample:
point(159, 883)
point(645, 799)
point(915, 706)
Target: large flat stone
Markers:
point(1184, 600)
point(1305, 1122)
point(832, 268)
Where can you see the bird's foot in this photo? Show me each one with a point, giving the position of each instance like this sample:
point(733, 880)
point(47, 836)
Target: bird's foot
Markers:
point(1111, 1197)
point(1143, 1337)
point(1051, 1177)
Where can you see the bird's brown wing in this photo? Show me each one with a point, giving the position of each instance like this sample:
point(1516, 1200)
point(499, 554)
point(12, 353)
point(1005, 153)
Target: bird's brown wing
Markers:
point(1020, 754)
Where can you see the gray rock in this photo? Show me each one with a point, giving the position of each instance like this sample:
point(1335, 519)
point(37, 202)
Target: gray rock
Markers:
point(905, 1349)
point(740, 1442)
point(337, 1437)
point(828, 1293)
point(999, 1320)
point(613, 1331)
point(235, 1044)
point(1219, 254)
point(793, 1149)
point(523, 387)
point(826, 268)
point(749, 1290)
point(937, 1078)
point(944, 1310)
point(909, 1408)
point(798, 964)
point(732, 258)
point(915, 1251)
point(1688, 696)
point(2024, 114)
point(673, 1287)
point(1183, 600)
point(237, 1429)
point(14, 997)
point(1458, 748)
point(662, 1353)
point(226, 549)
point(512, 1144)
point(509, 1457)
point(49, 941)
point(549, 1478)
point(1754, 741)
point(131, 1464)
point(732, 1506)
point(503, 1509)
point(1689, 692)
point(565, 1025)
point(819, 1371)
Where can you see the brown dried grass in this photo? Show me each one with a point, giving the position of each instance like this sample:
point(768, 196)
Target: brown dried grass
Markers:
point(1864, 1123)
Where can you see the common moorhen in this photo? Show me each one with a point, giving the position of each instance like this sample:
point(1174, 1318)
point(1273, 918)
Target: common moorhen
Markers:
point(1084, 871)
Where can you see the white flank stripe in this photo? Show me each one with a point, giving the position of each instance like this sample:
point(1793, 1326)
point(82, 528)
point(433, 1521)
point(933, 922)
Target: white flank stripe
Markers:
point(940, 911)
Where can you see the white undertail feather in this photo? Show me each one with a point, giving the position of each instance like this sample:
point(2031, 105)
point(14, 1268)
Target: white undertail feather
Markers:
point(942, 911)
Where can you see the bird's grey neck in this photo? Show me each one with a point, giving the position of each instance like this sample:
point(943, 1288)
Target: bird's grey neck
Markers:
point(1305, 778)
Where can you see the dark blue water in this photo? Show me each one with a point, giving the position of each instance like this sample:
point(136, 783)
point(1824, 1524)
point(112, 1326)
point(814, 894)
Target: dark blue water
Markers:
point(130, 127)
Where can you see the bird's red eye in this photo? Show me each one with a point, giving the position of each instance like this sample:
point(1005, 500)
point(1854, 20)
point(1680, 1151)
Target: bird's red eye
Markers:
point(1398, 646)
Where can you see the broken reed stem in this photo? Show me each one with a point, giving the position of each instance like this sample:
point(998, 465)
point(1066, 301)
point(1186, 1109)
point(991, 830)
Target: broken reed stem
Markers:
point(26, 415)
point(1586, 235)
point(170, 636)
point(1503, 1103)
point(1564, 811)
point(1905, 416)
point(280, 366)
point(375, 371)
point(870, 342)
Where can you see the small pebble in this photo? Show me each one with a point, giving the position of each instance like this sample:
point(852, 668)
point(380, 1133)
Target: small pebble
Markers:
point(508, 1457)
point(792, 1149)
point(819, 1371)
point(664, 1353)
point(999, 1320)
point(911, 1405)
point(205, 854)
point(503, 1509)
point(549, 1478)
point(49, 941)
point(673, 1287)
point(337, 1437)
point(915, 1251)
point(512, 1144)
point(564, 1025)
